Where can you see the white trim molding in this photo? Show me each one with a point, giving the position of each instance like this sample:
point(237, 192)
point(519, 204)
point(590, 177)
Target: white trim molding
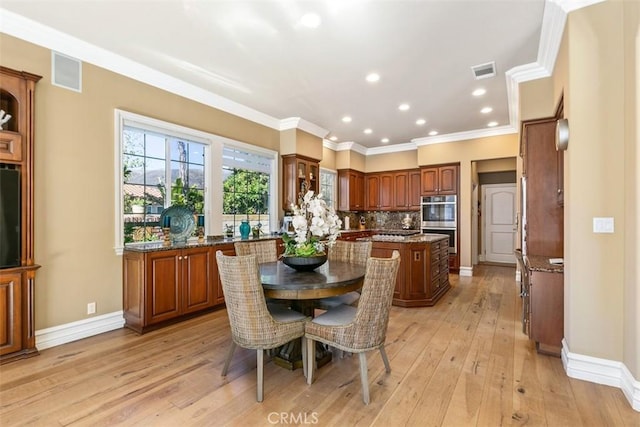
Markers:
point(602, 371)
point(69, 332)
point(466, 272)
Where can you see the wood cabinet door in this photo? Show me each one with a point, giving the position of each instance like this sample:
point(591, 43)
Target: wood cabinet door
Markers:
point(386, 196)
point(372, 189)
point(429, 181)
point(414, 188)
point(448, 180)
point(357, 191)
point(417, 285)
point(401, 190)
point(546, 297)
point(197, 280)
point(163, 286)
point(228, 250)
point(11, 313)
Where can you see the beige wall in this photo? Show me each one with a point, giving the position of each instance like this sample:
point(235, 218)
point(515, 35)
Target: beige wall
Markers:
point(597, 70)
point(392, 161)
point(350, 160)
point(74, 177)
point(328, 159)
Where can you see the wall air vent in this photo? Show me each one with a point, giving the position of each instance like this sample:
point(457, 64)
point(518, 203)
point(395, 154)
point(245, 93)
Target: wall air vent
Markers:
point(66, 72)
point(484, 71)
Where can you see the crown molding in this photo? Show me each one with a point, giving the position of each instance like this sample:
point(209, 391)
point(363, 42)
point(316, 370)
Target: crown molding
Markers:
point(462, 136)
point(395, 148)
point(302, 124)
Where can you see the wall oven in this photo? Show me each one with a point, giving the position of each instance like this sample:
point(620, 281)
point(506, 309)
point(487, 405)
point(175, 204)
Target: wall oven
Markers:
point(451, 232)
point(439, 211)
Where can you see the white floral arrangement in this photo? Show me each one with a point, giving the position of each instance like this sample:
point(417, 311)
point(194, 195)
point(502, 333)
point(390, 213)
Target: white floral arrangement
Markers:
point(314, 223)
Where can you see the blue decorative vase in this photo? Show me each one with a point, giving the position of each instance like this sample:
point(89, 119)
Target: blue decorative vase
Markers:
point(245, 229)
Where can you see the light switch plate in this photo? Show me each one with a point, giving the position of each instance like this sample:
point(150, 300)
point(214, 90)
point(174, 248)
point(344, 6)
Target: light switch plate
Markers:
point(602, 225)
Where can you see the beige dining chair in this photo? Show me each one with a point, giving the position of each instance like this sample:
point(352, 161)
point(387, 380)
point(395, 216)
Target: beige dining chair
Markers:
point(265, 250)
point(347, 251)
point(253, 324)
point(362, 328)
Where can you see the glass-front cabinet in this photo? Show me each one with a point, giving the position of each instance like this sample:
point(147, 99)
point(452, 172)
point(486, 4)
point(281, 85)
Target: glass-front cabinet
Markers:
point(300, 174)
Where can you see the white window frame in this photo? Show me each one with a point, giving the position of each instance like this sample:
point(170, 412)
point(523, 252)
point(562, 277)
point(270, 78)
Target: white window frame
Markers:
point(212, 169)
point(334, 201)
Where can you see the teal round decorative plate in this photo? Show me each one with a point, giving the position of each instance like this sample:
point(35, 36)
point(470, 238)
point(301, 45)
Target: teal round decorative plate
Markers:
point(182, 222)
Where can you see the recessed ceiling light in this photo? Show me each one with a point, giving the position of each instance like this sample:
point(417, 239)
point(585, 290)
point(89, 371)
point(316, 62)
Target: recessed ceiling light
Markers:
point(433, 133)
point(384, 140)
point(373, 77)
point(492, 124)
point(486, 110)
point(367, 131)
point(334, 138)
point(346, 119)
point(310, 20)
point(403, 107)
point(479, 92)
point(420, 122)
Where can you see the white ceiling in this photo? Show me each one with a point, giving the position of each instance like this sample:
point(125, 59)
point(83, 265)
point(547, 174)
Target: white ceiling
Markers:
point(255, 54)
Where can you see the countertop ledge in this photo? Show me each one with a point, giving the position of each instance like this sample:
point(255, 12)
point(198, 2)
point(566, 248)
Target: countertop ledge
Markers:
point(541, 263)
point(159, 246)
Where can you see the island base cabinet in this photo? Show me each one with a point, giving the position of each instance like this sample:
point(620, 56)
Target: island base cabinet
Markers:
point(423, 275)
point(165, 286)
point(546, 311)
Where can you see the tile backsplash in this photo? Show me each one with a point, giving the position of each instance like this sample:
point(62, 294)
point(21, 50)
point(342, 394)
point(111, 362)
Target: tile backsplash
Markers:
point(380, 219)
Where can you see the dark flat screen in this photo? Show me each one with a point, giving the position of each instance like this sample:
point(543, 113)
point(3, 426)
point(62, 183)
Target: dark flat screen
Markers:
point(9, 218)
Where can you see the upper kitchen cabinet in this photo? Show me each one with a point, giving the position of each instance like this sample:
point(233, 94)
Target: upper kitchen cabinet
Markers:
point(439, 180)
point(299, 175)
point(350, 190)
point(414, 191)
point(379, 188)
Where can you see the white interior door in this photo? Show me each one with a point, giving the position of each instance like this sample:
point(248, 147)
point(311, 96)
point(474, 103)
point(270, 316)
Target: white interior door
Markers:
point(500, 226)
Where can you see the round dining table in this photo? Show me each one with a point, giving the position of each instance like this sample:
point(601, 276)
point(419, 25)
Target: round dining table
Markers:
point(280, 281)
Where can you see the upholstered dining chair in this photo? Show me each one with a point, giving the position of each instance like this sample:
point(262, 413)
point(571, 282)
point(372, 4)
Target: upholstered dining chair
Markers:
point(348, 251)
point(362, 328)
point(253, 325)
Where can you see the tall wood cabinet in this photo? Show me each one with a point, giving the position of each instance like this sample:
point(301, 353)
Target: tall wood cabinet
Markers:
point(543, 222)
point(18, 269)
point(299, 175)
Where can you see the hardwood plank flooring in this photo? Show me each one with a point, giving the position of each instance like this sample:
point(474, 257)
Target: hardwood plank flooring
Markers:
point(463, 362)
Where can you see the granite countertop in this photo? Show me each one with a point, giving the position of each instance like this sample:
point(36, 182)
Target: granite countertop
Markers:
point(541, 263)
point(417, 238)
point(159, 246)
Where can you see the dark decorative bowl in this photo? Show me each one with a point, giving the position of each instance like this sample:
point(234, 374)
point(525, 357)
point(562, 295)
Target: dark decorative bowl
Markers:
point(301, 263)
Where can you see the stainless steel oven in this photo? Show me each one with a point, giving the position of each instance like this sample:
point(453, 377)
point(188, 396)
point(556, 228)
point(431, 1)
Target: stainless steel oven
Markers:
point(439, 211)
point(451, 232)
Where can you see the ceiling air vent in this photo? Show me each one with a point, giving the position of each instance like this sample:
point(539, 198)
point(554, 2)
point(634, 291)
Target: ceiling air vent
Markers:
point(484, 71)
point(66, 72)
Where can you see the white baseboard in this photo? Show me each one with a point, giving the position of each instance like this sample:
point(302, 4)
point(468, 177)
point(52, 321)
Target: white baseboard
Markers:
point(62, 334)
point(602, 371)
point(466, 271)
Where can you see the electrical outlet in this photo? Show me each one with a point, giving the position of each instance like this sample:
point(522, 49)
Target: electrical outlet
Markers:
point(91, 308)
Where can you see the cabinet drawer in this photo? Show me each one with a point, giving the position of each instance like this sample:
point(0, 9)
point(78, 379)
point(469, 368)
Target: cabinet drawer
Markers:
point(10, 146)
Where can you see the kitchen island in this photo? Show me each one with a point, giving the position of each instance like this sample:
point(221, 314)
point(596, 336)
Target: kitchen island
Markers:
point(423, 276)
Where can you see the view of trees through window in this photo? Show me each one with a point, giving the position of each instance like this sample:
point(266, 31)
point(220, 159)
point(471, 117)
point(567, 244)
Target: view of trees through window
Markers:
point(155, 165)
point(245, 196)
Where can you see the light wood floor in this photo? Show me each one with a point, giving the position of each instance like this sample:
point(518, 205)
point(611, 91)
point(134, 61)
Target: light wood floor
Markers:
point(463, 362)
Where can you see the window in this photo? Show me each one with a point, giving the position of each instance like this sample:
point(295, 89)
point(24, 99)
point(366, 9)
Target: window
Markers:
point(328, 187)
point(156, 165)
point(159, 164)
point(246, 185)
